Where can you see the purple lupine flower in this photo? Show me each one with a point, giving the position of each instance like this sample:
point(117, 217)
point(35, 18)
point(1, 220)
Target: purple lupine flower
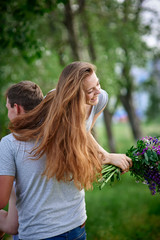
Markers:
point(148, 171)
point(145, 163)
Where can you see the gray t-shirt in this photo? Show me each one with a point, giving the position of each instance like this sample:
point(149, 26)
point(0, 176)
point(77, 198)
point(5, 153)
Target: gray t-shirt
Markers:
point(46, 208)
point(102, 101)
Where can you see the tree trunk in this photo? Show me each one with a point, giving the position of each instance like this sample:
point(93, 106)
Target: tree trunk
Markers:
point(69, 24)
point(57, 40)
point(133, 119)
point(108, 124)
point(87, 30)
point(126, 98)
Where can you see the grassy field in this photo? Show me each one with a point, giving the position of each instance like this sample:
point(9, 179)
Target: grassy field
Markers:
point(127, 210)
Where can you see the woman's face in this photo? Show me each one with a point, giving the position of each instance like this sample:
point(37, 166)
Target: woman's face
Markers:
point(92, 89)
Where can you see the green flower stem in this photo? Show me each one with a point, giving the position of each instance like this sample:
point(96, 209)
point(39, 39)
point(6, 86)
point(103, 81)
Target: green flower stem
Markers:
point(108, 168)
point(110, 176)
point(105, 179)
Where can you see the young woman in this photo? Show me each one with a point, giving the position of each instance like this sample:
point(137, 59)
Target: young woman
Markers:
point(54, 157)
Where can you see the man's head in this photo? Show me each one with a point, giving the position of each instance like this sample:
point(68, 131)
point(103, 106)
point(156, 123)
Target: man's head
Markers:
point(22, 97)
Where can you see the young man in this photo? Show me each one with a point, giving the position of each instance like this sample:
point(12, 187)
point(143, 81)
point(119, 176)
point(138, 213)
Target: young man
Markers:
point(20, 98)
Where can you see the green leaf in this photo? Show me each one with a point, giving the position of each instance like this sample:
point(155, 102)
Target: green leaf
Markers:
point(146, 157)
point(149, 153)
point(143, 160)
point(155, 155)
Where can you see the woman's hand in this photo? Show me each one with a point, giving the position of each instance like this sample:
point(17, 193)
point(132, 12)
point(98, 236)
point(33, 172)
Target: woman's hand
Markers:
point(119, 160)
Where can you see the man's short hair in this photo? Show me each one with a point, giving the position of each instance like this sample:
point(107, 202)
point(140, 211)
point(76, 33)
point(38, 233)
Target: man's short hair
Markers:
point(25, 93)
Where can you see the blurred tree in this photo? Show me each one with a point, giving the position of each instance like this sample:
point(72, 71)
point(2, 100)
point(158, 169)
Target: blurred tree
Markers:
point(153, 111)
point(108, 33)
point(118, 47)
point(19, 25)
point(118, 31)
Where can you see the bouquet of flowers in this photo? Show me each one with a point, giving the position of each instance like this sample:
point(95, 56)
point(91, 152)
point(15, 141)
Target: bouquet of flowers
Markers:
point(146, 165)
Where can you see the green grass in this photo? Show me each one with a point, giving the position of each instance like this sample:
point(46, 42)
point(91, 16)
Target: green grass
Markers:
point(127, 210)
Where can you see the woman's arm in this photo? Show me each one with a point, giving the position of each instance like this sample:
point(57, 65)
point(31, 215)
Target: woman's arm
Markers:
point(119, 160)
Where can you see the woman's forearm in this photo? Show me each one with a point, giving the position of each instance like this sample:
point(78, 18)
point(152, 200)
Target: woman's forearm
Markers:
point(119, 160)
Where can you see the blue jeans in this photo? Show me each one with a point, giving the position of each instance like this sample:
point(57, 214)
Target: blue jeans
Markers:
point(78, 233)
point(15, 237)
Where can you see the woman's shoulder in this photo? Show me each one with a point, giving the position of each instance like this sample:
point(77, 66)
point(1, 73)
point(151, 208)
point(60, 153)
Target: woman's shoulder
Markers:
point(103, 96)
point(103, 99)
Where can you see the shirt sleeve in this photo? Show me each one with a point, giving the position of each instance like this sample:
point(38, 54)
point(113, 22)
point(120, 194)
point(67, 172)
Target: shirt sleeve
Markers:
point(103, 99)
point(7, 160)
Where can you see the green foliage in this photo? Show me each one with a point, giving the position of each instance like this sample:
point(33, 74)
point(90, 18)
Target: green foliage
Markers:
point(19, 25)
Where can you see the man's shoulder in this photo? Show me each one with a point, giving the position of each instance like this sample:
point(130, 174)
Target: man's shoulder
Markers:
point(8, 138)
